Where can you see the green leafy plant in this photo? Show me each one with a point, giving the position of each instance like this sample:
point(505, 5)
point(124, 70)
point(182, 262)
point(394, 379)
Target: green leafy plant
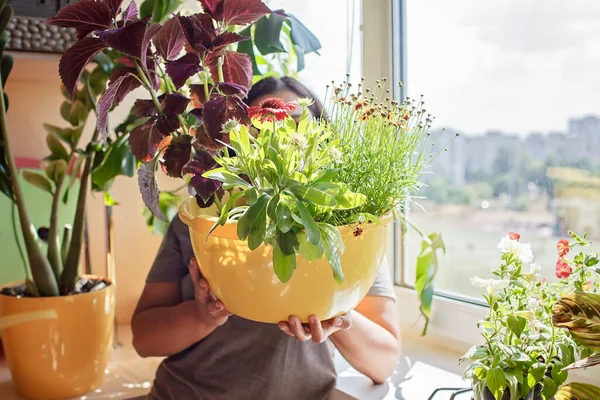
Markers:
point(287, 176)
point(55, 273)
point(385, 145)
point(523, 351)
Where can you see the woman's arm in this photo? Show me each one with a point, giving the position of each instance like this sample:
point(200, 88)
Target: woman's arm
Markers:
point(163, 325)
point(368, 337)
point(372, 343)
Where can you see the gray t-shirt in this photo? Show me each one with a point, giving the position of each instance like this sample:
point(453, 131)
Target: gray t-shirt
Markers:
point(241, 360)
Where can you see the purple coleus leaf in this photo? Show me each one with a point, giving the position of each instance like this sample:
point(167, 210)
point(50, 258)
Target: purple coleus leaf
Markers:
point(233, 89)
point(169, 40)
point(114, 6)
point(198, 94)
point(75, 59)
point(243, 12)
point(227, 38)
point(177, 155)
point(131, 13)
point(200, 186)
point(85, 16)
point(220, 109)
point(144, 108)
point(128, 84)
point(150, 33)
point(175, 104)
point(127, 39)
point(199, 32)
point(144, 141)
point(149, 188)
point(183, 68)
point(115, 89)
point(237, 67)
point(214, 8)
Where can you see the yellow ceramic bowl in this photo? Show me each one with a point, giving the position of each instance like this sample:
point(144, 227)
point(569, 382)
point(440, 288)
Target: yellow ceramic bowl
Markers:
point(245, 282)
point(60, 357)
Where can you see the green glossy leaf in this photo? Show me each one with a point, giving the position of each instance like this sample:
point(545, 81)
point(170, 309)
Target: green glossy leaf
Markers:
point(78, 113)
point(536, 373)
point(38, 180)
point(56, 171)
point(68, 135)
point(109, 201)
point(254, 220)
point(311, 227)
point(247, 47)
point(284, 216)
point(6, 14)
point(308, 250)
point(225, 211)
point(65, 111)
point(347, 200)
point(57, 150)
point(475, 353)
point(6, 67)
point(516, 325)
point(287, 241)
point(267, 33)
point(333, 247)
point(314, 196)
point(558, 375)
point(549, 388)
point(118, 160)
point(283, 265)
point(228, 178)
point(496, 381)
point(303, 37)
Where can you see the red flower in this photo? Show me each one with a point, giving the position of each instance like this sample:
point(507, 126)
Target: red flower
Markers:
point(358, 231)
point(272, 108)
point(563, 247)
point(563, 270)
point(514, 236)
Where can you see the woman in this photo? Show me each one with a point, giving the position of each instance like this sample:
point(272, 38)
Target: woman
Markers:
point(214, 355)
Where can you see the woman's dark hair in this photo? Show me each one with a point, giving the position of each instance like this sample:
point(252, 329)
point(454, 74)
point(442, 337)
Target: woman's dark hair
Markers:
point(271, 85)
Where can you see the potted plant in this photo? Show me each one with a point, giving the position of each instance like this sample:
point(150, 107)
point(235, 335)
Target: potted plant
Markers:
point(523, 355)
point(196, 82)
point(579, 313)
point(57, 327)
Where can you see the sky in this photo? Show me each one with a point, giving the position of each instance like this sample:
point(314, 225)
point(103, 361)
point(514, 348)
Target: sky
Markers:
point(512, 65)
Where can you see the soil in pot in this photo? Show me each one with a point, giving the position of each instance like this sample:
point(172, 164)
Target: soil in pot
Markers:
point(83, 285)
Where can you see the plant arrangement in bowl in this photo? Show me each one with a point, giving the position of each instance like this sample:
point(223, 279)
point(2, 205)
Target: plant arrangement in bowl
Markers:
point(524, 355)
point(306, 188)
point(309, 202)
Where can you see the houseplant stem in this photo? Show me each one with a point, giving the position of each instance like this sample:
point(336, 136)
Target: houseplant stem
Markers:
point(71, 267)
point(54, 244)
point(40, 267)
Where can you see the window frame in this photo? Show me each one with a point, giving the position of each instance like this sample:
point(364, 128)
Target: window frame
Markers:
point(454, 317)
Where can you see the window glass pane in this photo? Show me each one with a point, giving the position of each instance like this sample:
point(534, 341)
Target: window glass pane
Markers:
point(336, 23)
point(519, 81)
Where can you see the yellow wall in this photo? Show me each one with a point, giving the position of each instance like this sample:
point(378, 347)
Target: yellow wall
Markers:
point(35, 98)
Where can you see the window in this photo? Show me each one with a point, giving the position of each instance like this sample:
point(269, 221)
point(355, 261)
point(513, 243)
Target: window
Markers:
point(519, 81)
point(336, 23)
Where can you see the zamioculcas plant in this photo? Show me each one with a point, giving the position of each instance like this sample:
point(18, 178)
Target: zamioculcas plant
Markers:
point(580, 314)
point(56, 272)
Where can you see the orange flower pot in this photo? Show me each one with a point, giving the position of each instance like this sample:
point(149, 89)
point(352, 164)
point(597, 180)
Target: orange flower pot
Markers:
point(60, 348)
point(245, 282)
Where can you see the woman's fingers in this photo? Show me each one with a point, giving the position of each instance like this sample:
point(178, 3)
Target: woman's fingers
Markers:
point(301, 332)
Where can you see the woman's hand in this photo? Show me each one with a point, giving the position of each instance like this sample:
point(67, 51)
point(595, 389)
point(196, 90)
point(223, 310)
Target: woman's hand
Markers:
point(210, 310)
point(316, 330)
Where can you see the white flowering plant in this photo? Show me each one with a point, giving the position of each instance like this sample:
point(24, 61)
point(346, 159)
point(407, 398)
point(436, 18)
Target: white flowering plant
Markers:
point(523, 355)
